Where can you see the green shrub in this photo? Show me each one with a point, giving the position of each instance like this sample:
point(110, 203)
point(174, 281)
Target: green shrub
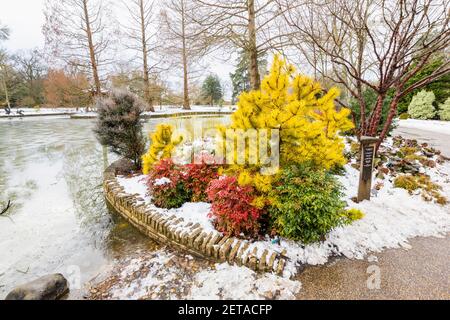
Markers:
point(444, 110)
point(421, 106)
point(166, 184)
point(306, 204)
point(353, 214)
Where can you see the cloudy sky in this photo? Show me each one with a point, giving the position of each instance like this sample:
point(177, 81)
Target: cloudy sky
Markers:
point(25, 19)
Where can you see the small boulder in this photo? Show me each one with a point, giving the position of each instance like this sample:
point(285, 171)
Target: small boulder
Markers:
point(49, 287)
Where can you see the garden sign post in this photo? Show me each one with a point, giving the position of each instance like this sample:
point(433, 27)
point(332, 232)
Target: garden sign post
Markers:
point(368, 147)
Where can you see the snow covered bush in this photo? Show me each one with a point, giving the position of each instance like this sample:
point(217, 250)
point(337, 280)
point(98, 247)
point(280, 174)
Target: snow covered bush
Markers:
point(421, 106)
point(307, 204)
point(444, 110)
point(232, 207)
point(119, 125)
point(166, 185)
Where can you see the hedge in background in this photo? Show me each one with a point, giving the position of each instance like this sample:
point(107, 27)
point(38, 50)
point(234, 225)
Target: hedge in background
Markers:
point(421, 106)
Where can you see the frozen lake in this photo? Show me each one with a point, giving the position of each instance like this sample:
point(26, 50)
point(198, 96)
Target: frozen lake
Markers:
point(51, 170)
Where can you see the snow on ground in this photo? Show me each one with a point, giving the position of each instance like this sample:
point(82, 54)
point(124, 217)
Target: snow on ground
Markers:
point(37, 111)
point(164, 275)
point(237, 283)
point(428, 125)
point(391, 218)
point(191, 212)
point(80, 113)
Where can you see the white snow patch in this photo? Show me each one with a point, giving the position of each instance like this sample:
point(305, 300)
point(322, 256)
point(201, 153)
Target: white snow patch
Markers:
point(195, 212)
point(237, 283)
point(161, 182)
point(427, 125)
point(135, 185)
point(153, 273)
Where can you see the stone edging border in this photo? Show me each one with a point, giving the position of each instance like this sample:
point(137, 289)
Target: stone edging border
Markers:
point(192, 239)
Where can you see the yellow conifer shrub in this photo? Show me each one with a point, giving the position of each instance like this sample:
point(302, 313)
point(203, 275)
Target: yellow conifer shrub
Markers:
point(162, 145)
point(307, 119)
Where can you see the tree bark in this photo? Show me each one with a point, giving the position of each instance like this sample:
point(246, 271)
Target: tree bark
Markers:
point(186, 104)
point(146, 77)
point(255, 80)
point(392, 112)
point(376, 116)
point(91, 51)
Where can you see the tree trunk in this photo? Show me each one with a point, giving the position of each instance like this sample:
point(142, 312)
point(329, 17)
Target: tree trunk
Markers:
point(376, 116)
point(255, 81)
point(186, 104)
point(392, 112)
point(6, 89)
point(147, 96)
point(91, 51)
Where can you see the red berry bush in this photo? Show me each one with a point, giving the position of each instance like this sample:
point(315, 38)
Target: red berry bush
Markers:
point(231, 207)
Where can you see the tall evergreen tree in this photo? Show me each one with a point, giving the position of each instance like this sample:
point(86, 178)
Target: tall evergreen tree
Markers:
point(240, 79)
point(212, 89)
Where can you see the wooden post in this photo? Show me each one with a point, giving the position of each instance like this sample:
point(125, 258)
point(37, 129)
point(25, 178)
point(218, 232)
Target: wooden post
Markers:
point(367, 151)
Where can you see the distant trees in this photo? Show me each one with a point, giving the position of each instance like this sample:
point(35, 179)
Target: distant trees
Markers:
point(183, 39)
point(212, 89)
point(141, 32)
point(240, 78)
point(256, 27)
point(4, 35)
point(79, 33)
point(440, 86)
point(30, 68)
point(63, 89)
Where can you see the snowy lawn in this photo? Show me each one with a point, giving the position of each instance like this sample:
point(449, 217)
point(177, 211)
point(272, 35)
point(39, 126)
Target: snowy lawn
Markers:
point(428, 125)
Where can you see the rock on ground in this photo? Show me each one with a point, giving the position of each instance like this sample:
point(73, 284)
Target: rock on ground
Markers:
point(49, 287)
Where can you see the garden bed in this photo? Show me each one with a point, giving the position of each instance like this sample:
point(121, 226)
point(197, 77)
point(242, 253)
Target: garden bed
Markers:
point(187, 228)
point(392, 216)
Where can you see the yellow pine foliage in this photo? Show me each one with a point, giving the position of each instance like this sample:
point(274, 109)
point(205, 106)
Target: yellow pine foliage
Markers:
point(307, 119)
point(162, 144)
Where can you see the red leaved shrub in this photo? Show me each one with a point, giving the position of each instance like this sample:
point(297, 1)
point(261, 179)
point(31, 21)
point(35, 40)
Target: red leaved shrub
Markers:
point(166, 184)
point(232, 209)
point(197, 178)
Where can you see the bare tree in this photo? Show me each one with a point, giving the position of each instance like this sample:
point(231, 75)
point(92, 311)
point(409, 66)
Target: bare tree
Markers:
point(30, 67)
point(4, 32)
point(77, 31)
point(4, 35)
point(183, 39)
point(376, 44)
point(252, 25)
point(142, 32)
